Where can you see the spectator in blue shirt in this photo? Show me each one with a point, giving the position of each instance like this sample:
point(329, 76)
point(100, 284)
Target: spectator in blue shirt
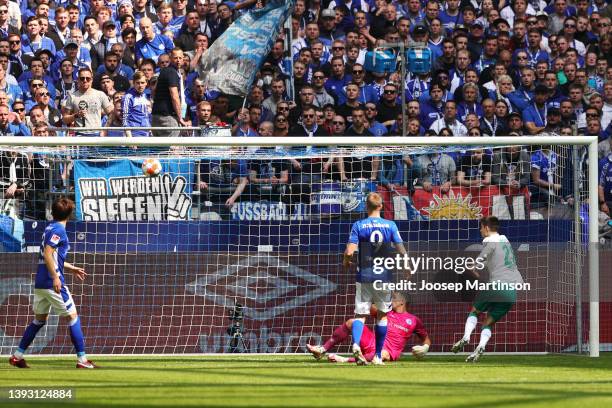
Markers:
point(535, 114)
point(151, 45)
point(605, 184)
point(33, 40)
point(11, 129)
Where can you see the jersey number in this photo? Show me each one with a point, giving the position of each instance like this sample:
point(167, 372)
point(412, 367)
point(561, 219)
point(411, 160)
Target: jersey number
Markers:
point(376, 236)
point(509, 258)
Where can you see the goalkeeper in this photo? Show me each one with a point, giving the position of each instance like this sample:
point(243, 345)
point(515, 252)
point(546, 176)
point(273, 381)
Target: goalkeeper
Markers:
point(400, 327)
point(501, 264)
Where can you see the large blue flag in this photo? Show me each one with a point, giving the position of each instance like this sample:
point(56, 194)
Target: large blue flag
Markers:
point(231, 63)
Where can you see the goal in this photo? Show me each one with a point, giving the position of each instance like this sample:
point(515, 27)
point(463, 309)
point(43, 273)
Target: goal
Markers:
point(237, 245)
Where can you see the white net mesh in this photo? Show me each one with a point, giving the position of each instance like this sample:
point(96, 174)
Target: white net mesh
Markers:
point(170, 257)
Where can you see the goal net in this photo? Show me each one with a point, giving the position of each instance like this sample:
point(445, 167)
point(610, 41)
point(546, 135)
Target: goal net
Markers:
point(239, 247)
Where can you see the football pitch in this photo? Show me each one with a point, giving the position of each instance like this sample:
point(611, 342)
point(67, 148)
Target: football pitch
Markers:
point(285, 381)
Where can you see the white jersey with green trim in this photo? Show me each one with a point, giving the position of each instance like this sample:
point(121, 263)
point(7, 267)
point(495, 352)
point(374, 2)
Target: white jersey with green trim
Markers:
point(500, 260)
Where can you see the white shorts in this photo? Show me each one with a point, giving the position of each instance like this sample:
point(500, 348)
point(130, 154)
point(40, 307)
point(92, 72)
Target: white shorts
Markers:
point(46, 299)
point(366, 295)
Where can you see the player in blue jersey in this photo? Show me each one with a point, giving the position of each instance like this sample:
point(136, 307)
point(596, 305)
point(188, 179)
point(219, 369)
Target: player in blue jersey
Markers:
point(50, 291)
point(370, 233)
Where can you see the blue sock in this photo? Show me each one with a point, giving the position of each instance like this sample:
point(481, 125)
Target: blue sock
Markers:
point(76, 334)
point(30, 334)
point(381, 334)
point(357, 330)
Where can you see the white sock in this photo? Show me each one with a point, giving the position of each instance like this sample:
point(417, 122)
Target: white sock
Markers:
point(18, 354)
point(485, 335)
point(82, 359)
point(470, 325)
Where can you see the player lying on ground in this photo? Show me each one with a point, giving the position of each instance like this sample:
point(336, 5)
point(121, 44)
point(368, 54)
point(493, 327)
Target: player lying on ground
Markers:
point(400, 327)
point(501, 264)
point(50, 291)
point(366, 236)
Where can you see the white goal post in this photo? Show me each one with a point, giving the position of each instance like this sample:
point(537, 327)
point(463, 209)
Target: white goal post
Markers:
point(590, 142)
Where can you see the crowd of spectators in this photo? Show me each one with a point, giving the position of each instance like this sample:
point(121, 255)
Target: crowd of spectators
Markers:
point(498, 67)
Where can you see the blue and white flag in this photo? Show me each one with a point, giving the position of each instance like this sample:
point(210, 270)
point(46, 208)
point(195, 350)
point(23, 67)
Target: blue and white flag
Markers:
point(232, 61)
point(117, 190)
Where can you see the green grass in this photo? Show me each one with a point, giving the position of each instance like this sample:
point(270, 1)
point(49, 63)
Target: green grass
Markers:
point(282, 381)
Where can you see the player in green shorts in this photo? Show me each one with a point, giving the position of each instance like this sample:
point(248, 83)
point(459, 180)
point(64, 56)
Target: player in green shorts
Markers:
point(501, 264)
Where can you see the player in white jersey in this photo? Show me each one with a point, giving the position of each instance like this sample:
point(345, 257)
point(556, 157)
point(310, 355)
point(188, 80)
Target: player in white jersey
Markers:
point(501, 264)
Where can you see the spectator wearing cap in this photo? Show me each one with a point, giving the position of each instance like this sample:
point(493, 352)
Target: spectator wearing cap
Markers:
point(329, 32)
point(151, 45)
point(33, 40)
point(553, 121)
point(119, 73)
point(420, 34)
point(71, 53)
point(536, 114)
point(109, 37)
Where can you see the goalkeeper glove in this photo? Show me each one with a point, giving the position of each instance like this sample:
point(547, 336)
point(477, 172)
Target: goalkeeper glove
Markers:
point(419, 351)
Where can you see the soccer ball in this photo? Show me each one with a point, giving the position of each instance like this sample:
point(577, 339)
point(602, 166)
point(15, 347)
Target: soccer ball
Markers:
point(151, 167)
